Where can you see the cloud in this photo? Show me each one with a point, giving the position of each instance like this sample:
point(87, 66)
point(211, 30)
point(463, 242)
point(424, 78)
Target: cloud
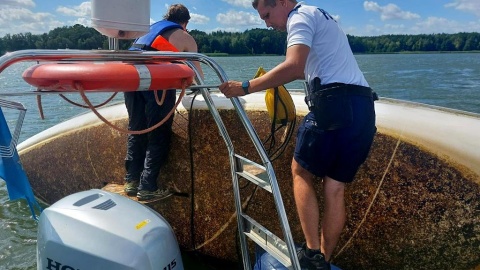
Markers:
point(16, 16)
point(471, 6)
point(239, 3)
point(443, 25)
point(389, 12)
point(22, 14)
point(237, 18)
point(198, 19)
point(21, 20)
point(336, 17)
point(227, 29)
point(17, 3)
point(365, 30)
point(431, 25)
point(82, 10)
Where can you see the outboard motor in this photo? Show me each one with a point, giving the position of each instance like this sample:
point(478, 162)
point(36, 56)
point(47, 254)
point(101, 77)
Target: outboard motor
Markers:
point(96, 229)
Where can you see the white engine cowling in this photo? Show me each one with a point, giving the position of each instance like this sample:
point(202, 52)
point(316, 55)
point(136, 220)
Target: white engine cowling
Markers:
point(96, 229)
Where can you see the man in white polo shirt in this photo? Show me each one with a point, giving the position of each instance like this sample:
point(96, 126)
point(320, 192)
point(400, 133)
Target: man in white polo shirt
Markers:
point(335, 137)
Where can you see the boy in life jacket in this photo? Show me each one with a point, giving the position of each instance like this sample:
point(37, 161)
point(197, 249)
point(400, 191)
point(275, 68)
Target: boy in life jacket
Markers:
point(146, 153)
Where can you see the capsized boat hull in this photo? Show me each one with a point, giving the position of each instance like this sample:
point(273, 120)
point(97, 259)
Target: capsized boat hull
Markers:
point(414, 204)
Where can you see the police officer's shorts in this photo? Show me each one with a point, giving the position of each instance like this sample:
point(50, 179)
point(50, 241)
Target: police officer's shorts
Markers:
point(337, 153)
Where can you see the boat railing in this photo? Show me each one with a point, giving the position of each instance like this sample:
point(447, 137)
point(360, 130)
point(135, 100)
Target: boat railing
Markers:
point(7, 151)
point(281, 249)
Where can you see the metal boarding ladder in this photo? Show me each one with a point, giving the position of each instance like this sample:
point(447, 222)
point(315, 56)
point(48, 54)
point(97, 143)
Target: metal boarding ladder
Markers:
point(282, 249)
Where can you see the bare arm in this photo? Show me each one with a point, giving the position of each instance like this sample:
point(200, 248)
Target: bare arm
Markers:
point(289, 70)
point(184, 42)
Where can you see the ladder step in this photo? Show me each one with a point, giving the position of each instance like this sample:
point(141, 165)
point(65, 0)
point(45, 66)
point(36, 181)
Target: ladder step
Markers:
point(253, 172)
point(271, 243)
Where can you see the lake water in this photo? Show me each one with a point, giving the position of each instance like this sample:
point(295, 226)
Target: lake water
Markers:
point(447, 80)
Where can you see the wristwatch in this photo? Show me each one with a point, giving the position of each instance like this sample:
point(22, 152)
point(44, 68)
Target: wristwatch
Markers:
point(245, 86)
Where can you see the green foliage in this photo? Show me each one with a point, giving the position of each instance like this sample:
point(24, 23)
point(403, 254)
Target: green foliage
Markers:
point(250, 42)
point(416, 43)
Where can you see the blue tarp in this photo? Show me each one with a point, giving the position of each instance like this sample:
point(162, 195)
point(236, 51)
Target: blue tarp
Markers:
point(12, 172)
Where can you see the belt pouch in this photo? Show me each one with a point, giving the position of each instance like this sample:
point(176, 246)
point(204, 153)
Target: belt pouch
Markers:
point(332, 108)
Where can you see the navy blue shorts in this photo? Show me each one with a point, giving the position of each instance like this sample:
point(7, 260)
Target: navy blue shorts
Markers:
point(337, 153)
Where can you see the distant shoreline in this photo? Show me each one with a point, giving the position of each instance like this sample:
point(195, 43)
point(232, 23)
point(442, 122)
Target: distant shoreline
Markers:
point(405, 52)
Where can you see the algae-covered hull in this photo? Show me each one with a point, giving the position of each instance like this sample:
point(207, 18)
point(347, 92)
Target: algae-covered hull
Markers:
point(415, 203)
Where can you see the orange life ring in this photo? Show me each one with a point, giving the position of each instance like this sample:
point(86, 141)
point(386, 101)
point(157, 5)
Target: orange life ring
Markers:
point(109, 76)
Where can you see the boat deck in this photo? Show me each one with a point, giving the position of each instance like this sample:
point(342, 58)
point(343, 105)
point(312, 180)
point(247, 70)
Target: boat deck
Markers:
point(118, 189)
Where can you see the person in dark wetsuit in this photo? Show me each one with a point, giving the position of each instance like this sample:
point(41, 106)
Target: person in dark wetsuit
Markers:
point(146, 153)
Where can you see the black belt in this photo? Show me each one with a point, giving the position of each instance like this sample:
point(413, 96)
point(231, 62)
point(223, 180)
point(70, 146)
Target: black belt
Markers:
point(344, 89)
point(338, 89)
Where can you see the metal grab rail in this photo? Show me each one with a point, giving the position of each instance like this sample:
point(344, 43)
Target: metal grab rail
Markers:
point(283, 251)
point(8, 151)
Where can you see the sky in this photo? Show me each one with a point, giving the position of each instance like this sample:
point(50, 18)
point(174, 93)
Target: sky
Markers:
point(356, 17)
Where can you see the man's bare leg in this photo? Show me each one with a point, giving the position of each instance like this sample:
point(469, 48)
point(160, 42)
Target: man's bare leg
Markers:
point(334, 215)
point(307, 204)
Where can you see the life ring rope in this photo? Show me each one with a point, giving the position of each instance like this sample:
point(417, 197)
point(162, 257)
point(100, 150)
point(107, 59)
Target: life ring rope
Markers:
point(160, 102)
point(40, 107)
point(83, 106)
point(375, 195)
point(185, 84)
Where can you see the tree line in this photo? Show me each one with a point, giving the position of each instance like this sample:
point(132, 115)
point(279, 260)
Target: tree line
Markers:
point(249, 42)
